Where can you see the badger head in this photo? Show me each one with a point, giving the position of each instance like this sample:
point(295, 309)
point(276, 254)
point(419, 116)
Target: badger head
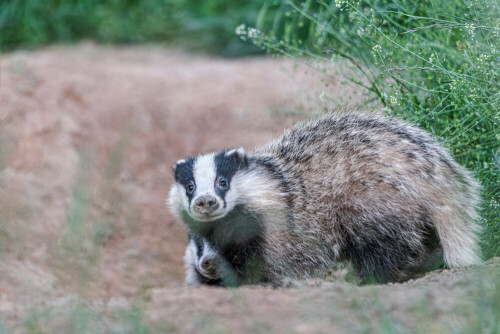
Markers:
point(200, 262)
point(203, 189)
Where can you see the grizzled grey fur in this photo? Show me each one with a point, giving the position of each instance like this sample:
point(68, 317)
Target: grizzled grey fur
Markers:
point(377, 192)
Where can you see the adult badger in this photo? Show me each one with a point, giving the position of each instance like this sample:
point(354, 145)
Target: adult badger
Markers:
point(377, 192)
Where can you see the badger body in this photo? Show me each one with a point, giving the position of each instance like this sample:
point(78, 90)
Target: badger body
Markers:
point(377, 192)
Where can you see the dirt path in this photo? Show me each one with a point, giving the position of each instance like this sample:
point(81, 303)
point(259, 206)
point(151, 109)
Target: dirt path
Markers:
point(88, 137)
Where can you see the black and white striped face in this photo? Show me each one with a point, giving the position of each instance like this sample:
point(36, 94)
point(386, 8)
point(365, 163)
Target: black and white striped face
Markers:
point(200, 262)
point(204, 186)
point(206, 258)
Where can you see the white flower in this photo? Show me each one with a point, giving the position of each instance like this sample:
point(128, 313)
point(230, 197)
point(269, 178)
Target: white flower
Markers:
point(253, 33)
point(482, 59)
point(496, 30)
point(340, 3)
point(453, 84)
point(470, 28)
point(241, 29)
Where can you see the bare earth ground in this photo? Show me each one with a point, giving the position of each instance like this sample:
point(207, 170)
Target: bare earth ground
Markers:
point(88, 136)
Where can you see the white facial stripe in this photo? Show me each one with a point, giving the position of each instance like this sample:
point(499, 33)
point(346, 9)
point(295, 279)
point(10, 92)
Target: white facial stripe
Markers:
point(207, 250)
point(204, 173)
point(192, 253)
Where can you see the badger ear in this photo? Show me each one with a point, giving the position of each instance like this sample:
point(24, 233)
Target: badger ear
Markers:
point(176, 166)
point(239, 155)
point(183, 167)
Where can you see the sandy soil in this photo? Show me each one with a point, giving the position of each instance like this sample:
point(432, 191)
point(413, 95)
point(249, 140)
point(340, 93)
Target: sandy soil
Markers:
point(88, 137)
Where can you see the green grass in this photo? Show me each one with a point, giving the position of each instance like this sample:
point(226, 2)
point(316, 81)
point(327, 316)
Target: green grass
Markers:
point(434, 63)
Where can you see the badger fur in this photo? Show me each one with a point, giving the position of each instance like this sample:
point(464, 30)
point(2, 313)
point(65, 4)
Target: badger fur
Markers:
point(377, 192)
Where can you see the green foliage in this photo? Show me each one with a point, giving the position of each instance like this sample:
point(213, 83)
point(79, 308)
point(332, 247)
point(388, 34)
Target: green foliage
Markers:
point(434, 63)
point(199, 25)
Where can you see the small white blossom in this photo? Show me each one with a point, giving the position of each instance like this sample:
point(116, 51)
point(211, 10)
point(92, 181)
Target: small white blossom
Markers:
point(377, 48)
point(494, 203)
point(253, 33)
point(470, 28)
point(241, 31)
point(453, 84)
point(432, 57)
point(340, 4)
point(496, 30)
point(482, 59)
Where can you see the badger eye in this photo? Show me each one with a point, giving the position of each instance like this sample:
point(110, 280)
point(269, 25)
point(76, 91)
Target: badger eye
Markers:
point(190, 188)
point(222, 183)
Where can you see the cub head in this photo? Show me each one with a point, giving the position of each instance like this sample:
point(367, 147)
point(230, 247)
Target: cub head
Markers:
point(200, 262)
point(203, 188)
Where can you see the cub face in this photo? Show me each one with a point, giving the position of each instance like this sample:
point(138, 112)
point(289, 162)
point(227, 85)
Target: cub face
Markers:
point(200, 261)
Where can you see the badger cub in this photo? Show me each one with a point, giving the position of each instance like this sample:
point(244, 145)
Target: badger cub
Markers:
point(377, 192)
point(200, 262)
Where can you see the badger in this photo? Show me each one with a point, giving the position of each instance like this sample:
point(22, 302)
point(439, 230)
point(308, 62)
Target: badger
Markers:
point(374, 191)
point(200, 262)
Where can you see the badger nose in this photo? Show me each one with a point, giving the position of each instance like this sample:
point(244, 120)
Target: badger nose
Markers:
point(207, 267)
point(207, 264)
point(206, 204)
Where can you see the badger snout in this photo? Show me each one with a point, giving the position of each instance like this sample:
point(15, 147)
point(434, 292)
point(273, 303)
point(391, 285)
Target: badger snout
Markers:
point(206, 204)
point(207, 264)
point(207, 267)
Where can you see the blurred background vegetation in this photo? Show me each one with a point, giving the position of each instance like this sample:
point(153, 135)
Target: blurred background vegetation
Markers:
point(206, 26)
point(435, 63)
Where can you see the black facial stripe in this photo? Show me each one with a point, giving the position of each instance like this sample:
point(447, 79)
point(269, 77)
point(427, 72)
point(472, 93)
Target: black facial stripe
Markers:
point(184, 174)
point(226, 167)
